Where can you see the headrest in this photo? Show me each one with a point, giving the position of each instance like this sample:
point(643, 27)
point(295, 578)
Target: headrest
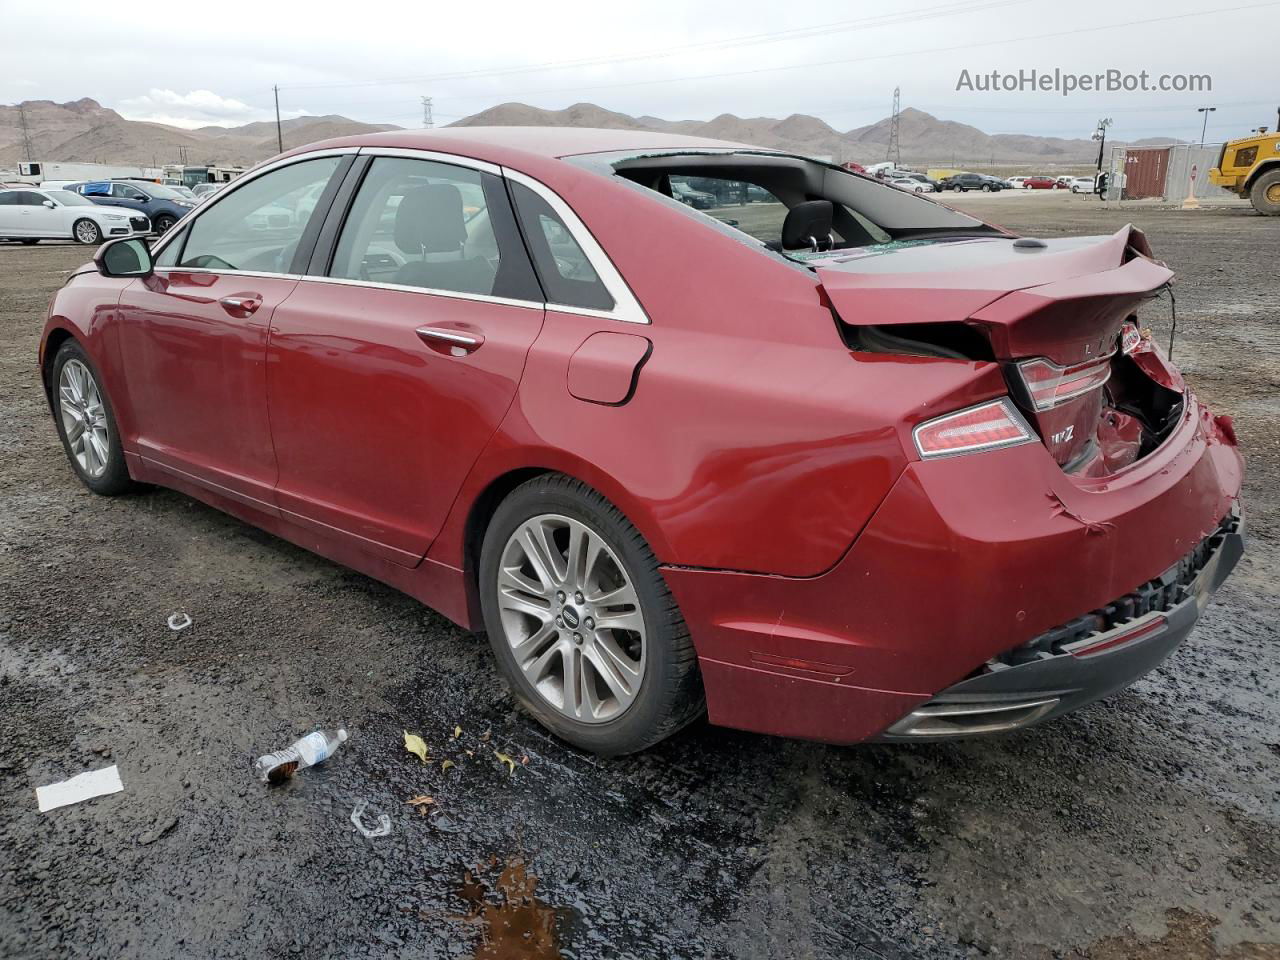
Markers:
point(429, 220)
point(806, 223)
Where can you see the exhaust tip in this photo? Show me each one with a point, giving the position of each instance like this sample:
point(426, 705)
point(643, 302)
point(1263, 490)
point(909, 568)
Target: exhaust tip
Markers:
point(937, 720)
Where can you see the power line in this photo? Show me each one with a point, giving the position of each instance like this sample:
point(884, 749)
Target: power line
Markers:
point(885, 56)
point(777, 36)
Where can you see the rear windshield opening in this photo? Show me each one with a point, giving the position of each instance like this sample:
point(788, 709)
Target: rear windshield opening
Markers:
point(803, 209)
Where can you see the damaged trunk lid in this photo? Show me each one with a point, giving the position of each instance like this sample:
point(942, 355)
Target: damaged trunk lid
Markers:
point(1058, 315)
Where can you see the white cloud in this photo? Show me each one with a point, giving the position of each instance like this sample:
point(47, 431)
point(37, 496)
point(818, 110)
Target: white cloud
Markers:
point(199, 108)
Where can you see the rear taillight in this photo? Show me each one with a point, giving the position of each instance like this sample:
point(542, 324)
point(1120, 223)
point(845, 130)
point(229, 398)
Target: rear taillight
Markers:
point(987, 426)
point(1050, 384)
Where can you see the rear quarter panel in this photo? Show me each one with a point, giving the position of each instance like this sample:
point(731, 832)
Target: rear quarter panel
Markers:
point(754, 439)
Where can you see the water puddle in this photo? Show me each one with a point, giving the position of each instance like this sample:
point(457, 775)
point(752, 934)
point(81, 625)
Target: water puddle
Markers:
point(1190, 937)
point(515, 924)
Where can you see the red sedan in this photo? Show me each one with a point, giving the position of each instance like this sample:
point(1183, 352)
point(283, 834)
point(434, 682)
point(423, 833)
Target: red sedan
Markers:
point(842, 464)
point(1040, 183)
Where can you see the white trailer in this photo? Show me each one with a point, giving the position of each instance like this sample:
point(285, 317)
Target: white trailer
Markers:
point(38, 171)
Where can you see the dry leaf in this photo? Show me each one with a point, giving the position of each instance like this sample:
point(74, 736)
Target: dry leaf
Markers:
point(484, 737)
point(457, 732)
point(446, 765)
point(420, 800)
point(470, 753)
point(524, 761)
point(502, 757)
point(416, 745)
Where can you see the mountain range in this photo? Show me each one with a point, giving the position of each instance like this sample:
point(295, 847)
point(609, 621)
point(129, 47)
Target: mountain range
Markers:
point(84, 130)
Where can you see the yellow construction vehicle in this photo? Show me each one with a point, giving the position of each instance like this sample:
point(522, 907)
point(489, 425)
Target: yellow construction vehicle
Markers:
point(1250, 167)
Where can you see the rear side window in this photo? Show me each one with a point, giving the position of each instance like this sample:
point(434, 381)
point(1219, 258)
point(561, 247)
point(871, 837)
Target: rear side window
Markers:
point(438, 226)
point(258, 226)
point(567, 276)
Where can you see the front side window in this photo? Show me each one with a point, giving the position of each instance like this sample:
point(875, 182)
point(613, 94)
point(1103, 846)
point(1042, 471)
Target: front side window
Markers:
point(8, 198)
point(125, 191)
point(419, 223)
point(258, 226)
point(565, 271)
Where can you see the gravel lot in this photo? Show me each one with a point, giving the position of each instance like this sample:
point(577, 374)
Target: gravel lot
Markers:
point(1147, 826)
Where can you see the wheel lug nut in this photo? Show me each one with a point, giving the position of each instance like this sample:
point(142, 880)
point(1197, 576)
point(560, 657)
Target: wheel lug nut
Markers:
point(560, 596)
point(577, 597)
point(589, 623)
point(577, 638)
point(559, 621)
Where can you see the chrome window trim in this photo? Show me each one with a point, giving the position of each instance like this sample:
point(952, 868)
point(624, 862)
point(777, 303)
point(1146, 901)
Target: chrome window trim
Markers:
point(453, 159)
point(430, 291)
point(625, 306)
point(262, 274)
point(251, 175)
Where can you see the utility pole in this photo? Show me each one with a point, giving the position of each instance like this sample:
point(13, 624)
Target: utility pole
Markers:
point(1204, 126)
point(279, 133)
point(894, 151)
point(427, 122)
point(26, 134)
point(1101, 136)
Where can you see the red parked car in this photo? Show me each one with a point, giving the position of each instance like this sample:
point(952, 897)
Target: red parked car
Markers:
point(1040, 183)
point(873, 469)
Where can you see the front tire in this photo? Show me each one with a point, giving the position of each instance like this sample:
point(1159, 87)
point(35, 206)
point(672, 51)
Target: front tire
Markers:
point(163, 224)
point(585, 632)
point(1265, 194)
point(87, 232)
point(86, 422)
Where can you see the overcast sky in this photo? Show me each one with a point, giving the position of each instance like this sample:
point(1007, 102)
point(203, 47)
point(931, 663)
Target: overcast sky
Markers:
point(677, 60)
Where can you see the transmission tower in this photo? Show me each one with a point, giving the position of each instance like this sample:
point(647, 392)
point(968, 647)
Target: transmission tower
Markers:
point(26, 134)
point(427, 122)
point(894, 152)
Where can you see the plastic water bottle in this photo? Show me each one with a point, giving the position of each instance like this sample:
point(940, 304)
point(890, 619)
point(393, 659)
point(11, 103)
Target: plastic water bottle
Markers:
point(314, 748)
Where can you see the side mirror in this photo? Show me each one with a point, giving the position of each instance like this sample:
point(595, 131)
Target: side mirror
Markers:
point(125, 257)
point(50, 204)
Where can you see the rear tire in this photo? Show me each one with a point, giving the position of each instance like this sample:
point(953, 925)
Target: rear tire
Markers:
point(86, 422)
point(547, 644)
point(87, 232)
point(1265, 194)
point(986, 188)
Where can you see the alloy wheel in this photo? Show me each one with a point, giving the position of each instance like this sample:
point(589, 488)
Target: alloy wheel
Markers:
point(571, 616)
point(84, 418)
point(86, 231)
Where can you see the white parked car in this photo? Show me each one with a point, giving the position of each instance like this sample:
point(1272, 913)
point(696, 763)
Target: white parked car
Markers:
point(1017, 182)
point(35, 215)
point(911, 186)
point(1082, 184)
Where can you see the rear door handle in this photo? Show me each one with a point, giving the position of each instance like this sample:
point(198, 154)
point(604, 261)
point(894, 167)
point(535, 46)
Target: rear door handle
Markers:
point(245, 303)
point(454, 342)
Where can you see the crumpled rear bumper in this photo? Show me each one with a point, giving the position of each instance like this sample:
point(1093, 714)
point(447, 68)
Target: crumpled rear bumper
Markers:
point(967, 559)
point(1065, 669)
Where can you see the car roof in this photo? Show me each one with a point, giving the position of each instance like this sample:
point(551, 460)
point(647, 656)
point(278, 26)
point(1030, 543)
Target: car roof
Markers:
point(505, 144)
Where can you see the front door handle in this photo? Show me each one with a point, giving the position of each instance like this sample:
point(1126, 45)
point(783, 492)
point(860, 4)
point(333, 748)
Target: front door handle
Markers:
point(243, 304)
point(456, 343)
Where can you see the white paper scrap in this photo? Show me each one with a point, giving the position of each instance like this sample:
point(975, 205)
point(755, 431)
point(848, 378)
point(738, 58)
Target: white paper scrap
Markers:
point(84, 786)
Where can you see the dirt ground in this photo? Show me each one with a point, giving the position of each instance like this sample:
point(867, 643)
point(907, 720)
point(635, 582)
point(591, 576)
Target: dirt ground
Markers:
point(1147, 826)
